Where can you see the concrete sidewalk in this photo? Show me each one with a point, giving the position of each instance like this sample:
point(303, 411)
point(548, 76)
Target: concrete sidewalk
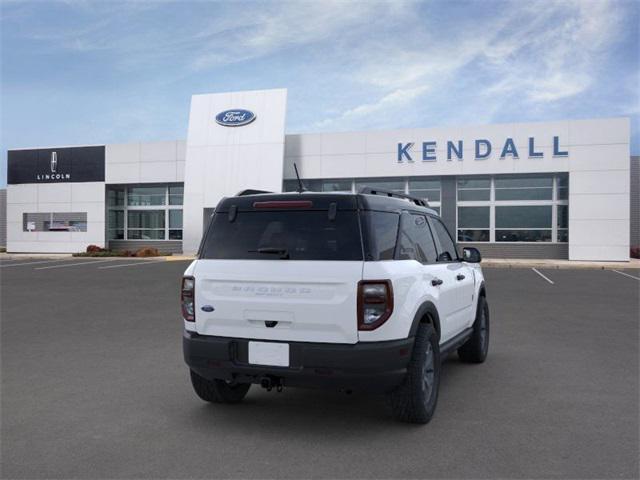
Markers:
point(634, 263)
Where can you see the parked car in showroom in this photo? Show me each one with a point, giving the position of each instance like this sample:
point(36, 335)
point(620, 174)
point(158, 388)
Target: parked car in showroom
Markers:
point(353, 291)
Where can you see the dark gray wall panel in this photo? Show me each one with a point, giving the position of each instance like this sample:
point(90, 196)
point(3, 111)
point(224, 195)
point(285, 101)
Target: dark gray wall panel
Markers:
point(163, 246)
point(448, 204)
point(558, 251)
point(635, 201)
point(3, 218)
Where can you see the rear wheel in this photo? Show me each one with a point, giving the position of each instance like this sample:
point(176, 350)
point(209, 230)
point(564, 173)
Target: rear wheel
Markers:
point(415, 400)
point(476, 348)
point(218, 391)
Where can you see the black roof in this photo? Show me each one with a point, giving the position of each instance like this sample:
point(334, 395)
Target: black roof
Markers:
point(322, 200)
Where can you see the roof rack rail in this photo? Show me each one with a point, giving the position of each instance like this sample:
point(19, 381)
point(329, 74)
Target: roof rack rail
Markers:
point(377, 191)
point(250, 191)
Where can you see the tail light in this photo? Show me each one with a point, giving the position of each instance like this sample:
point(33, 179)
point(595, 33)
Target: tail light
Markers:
point(375, 303)
point(187, 299)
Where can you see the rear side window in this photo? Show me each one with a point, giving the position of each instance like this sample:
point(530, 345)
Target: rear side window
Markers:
point(446, 247)
point(382, 232)
point(416, 241)
point(275, 235)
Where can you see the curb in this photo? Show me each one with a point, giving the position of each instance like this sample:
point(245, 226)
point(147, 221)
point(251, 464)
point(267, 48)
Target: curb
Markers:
point(179, 258)
point(563, 266)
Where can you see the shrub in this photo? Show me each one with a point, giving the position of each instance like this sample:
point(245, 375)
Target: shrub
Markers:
point(147, 252)
point(635, 251)
point(95, 251)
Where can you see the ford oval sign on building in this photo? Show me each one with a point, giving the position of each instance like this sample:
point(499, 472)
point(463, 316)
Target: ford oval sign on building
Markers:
point(235, 118)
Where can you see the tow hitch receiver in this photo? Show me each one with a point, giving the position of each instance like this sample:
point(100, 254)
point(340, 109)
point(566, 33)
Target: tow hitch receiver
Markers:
point(270, 382)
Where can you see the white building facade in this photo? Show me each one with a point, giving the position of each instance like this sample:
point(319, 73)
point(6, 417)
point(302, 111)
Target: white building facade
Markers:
point(520, 190)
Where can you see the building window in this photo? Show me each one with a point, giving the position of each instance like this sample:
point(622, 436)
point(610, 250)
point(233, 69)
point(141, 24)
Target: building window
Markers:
point(145, 224)
point(390, 184)
point(474, 189)
point(563, 223)
point(474, 224)
point(146, 196)
point(54, 222)
point(320, 185)
point(425, 188)
point(115, 222)
point(428, 189)
point(149, 212)
point(115, 197)
point(176, 194)
point(523, 223)
point(513, 208)
point(336, 185)
point(562, 187)
point(524, 188)
point(175, 224)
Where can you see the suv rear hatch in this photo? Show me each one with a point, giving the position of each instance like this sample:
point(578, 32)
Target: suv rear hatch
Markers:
point(281, 267)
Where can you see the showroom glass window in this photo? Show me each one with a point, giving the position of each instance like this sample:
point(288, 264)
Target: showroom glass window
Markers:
point(513, 208)
point(429, 189)
point(54, 222)
point(144, 212)
point(320, 185)
point(390, 184)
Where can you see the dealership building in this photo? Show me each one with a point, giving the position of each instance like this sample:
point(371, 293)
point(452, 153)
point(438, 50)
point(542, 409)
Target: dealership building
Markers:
point(560, 190)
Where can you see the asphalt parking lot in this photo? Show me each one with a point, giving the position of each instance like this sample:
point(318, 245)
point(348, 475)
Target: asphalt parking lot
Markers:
point(94, 386)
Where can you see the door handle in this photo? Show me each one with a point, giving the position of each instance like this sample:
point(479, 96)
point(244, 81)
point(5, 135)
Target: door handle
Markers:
point(460, 277)
point(436, 281)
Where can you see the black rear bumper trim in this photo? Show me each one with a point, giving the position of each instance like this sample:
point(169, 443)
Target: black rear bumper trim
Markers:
point(364, 366)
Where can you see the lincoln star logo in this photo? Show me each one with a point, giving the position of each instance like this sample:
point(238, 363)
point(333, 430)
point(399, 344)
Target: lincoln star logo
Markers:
point(54, 175)
point(235, 118)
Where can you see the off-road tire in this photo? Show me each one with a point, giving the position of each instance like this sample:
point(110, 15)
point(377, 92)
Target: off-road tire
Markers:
point(218, 391)
point(415, 400)
point(476, 348)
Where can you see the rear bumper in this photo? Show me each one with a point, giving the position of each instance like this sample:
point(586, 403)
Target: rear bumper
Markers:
point(371, 366)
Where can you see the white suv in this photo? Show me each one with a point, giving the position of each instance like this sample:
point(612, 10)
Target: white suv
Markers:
point(351, 291)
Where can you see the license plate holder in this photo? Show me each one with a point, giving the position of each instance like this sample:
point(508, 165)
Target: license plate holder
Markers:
point(269, 353)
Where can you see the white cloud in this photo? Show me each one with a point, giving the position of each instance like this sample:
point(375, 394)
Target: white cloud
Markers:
point(394, 100)
point(537, 52)
point(285, 25)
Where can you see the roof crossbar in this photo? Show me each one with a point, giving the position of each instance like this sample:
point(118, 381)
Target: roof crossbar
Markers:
point(378, 191)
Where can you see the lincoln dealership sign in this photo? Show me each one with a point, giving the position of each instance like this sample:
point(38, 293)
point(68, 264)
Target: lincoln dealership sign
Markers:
point(56, 165)
point(482, 149)
point(235, 118)
point(54, 175)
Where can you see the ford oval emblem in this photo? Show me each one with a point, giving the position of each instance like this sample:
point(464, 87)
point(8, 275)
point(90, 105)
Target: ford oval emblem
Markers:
point(235, 118)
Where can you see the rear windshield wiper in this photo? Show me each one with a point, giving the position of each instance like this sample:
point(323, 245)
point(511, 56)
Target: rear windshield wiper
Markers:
point(283, 252)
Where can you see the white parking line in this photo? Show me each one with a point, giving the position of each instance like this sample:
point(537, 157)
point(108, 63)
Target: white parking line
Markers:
point(546, 278)
point(73, 264)
point(32, 263)
point(626, 274)
point(141, 262)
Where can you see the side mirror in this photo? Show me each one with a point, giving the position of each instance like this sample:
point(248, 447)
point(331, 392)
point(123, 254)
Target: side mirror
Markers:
point(471, 255)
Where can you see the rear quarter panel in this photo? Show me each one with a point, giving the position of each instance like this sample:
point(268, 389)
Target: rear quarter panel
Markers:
point(409, 291)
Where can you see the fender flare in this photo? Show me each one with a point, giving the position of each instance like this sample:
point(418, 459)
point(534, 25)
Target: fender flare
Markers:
point(482, 291)
point(426, 308)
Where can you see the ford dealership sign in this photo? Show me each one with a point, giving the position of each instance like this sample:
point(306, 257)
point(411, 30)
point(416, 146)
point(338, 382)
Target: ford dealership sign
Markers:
point(235, 118)
point(482, 150)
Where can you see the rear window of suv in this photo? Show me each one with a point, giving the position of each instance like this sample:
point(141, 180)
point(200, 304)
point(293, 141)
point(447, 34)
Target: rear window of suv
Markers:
point(275, 235)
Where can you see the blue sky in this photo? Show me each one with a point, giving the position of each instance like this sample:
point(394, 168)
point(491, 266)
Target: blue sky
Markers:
point(94, 72)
